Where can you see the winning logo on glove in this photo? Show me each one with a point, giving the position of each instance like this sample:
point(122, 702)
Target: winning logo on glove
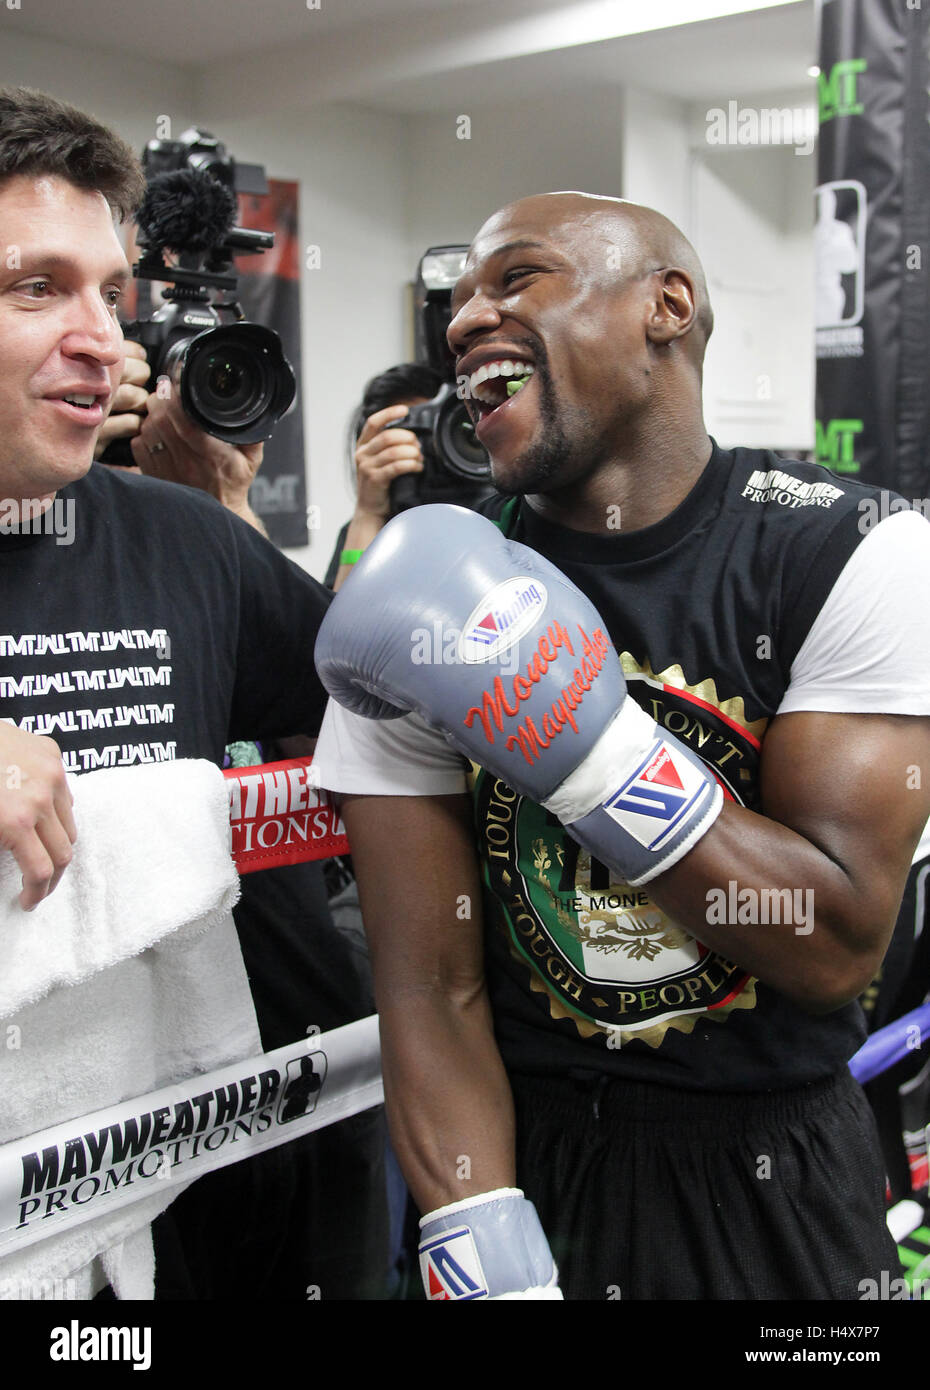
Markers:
point(651, 804)
point(450, 1267)
point(501, 618)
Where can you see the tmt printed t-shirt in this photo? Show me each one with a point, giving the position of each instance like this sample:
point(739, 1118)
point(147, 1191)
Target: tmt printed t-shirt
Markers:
point(143, 623)
point(774, 587)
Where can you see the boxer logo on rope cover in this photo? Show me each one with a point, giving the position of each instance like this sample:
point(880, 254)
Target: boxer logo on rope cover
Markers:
point(91, 1165)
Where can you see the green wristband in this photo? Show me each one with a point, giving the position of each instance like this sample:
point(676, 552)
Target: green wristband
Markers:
point(349, 557)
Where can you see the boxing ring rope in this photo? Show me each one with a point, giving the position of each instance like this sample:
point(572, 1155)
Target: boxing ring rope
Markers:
point(79, 1169)
point(94, 1164)
point(278, 815)
point(891, 1044)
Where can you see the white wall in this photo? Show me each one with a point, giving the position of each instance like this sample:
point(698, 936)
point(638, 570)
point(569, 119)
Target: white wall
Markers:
point(748, 211)
point(656, 155)
point(351, 165)
point(555, 142)
point(753, 218)
point(126, 93)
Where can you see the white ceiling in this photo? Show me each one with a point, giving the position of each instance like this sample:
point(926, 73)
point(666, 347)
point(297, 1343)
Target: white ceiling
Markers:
point(765, 52)
point(427, 55)
point(193, 33)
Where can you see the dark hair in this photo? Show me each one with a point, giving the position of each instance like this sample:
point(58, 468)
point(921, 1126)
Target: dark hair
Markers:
point(396, 386)
point(42, 136)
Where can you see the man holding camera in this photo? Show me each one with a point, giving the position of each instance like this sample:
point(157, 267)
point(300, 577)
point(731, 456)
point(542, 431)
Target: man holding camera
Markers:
point(721, 707)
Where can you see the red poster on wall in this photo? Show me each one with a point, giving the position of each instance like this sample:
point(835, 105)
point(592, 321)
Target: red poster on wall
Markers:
point(269, 291)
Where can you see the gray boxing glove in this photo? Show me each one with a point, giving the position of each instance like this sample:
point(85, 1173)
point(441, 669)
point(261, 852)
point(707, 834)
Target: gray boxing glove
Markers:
point(525, 682)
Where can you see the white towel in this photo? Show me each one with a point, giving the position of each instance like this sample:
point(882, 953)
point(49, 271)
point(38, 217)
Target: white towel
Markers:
point(152, 858)
point(127, 978)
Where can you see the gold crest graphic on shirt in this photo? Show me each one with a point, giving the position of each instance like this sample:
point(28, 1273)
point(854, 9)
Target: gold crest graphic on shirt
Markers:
point(701, 693)
point(642, 933)
point(603, 953)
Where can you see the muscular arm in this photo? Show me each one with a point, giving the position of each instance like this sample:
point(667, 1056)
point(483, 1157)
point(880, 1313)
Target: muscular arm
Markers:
point(446, 1092)
point(845, 798)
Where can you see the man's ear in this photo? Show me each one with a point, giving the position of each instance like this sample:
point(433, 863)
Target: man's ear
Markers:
point(673, 310)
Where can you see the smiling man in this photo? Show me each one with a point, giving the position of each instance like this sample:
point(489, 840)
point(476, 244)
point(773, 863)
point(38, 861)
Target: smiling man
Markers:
point(580, 285)
point(63, 278)
point(740, 719)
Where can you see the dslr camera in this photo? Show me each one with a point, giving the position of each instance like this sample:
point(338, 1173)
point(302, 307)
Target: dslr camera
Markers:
point(233, 378)
point(455, 466)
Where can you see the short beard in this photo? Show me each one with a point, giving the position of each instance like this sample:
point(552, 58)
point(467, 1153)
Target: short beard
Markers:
point(540, 467)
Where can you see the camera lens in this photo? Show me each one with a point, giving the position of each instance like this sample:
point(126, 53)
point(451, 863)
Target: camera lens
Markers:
point(224, 378)
point(233, 383)
point(458, 443)
point(236, 382)
point(230, 383)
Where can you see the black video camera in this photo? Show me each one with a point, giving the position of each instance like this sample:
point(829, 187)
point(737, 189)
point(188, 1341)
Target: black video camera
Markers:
point(233, 377)
point(456, 467)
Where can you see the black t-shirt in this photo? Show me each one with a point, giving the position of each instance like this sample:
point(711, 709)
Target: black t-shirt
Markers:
point(707, 609)
point(164, 628)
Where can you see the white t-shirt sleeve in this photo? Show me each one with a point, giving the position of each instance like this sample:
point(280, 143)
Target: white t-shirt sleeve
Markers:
point(385, 757)
point(868, 649)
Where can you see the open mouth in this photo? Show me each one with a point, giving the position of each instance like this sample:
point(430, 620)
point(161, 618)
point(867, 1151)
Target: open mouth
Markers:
point(495, 384)
point(85, 407)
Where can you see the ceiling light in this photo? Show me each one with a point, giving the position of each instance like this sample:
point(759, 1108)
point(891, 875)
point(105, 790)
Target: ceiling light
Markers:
point(593, 21)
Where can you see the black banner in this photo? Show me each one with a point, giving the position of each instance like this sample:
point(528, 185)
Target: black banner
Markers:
point(872, 239)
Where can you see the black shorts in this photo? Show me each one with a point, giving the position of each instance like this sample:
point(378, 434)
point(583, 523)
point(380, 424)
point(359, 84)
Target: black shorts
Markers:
point(647, 1192)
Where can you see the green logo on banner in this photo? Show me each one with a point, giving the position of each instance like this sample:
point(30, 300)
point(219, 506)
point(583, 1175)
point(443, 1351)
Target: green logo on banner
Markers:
point(836, 443)
point(836, 91)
